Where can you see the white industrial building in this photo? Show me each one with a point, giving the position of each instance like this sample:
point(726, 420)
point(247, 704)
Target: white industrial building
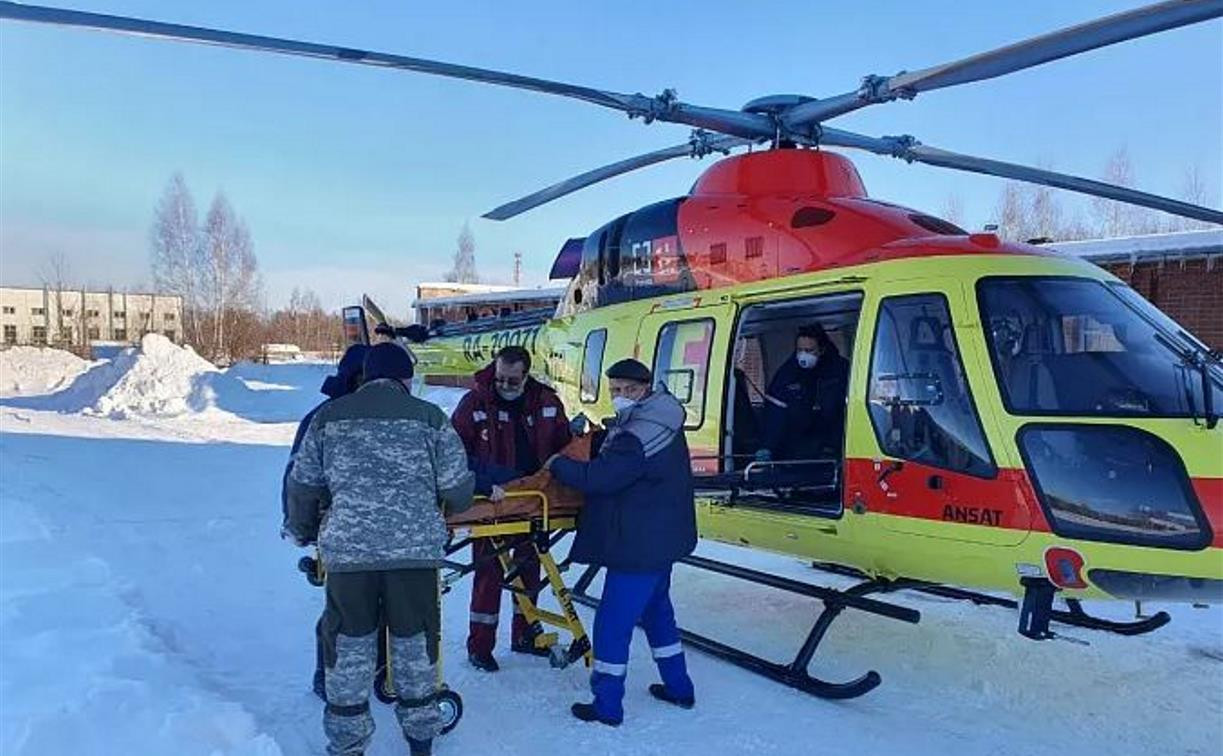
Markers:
point(79, 318)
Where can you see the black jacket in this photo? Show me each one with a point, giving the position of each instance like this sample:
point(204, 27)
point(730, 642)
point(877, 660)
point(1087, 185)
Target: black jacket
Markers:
point(815, 402)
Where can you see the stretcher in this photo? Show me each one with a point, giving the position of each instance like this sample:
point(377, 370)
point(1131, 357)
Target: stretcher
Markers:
point(524, 515)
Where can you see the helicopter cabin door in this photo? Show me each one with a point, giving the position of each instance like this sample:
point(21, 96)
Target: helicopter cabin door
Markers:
point(685, 350)
point(918, 458)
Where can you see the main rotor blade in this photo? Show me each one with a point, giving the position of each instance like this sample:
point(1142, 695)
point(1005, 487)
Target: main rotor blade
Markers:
point(663, 107)
point(568, 186)
point(911, 150)
point(1014, 57)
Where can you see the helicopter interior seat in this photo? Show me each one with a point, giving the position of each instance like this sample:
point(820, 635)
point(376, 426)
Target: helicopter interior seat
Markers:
point(920, 432)
point(928, 345)
point(745, 435)
point(1030, 379)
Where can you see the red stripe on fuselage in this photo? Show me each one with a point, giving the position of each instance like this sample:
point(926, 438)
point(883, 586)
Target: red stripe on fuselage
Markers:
point(929, 493)
point(1010, 494)
point(1210, 494)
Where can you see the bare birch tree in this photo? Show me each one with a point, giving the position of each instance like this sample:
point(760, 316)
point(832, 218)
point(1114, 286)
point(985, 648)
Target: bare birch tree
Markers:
point(1027, 212)
point(953, 209)
point(230, 271)
point(1112, 218)
point(304, 322)
point(176, 253)
point(1193, 190)
point(56, 276)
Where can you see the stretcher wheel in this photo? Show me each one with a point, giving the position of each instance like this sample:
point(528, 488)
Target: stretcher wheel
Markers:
point(309, 566)
point(450, 704)
point(383, 690)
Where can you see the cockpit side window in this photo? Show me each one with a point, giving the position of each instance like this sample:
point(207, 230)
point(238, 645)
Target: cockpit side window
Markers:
point(919, 400)
point(1073, 346)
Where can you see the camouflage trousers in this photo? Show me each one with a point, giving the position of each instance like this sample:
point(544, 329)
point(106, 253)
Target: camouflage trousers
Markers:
point(407, 602)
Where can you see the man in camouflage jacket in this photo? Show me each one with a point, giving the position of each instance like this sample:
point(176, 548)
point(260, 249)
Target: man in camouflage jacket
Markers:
point(375, 475)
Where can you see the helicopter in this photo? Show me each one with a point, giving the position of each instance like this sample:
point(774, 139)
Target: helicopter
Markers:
point(1014, 421)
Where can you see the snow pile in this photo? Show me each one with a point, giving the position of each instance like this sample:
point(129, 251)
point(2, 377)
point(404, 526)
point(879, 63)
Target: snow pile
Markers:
point(157, 378)
point(161, 379)
point(26, 371)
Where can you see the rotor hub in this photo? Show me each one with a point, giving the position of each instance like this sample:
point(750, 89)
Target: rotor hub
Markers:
point(775, 105)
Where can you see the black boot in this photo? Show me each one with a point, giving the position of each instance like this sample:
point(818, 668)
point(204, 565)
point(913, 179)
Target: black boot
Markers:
point(420, 747)
point(529, 647)
point(586, 712)
point(659, 691)
point(484, 662)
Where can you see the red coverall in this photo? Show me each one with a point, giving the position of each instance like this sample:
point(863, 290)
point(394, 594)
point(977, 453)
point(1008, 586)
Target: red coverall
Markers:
point(491, 429)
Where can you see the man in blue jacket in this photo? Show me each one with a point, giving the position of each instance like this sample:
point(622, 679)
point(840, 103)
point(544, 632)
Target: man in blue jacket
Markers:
point(345, 381)
point(638, 519)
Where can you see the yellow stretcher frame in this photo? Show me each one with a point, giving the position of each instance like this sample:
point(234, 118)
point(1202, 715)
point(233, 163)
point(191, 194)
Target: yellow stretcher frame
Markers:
point(539, 529)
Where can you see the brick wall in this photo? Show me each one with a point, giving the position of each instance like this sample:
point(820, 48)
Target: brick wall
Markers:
point(1189, 291)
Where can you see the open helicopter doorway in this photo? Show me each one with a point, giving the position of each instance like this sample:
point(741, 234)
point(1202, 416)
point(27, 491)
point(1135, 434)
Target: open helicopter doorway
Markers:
point(783, 438)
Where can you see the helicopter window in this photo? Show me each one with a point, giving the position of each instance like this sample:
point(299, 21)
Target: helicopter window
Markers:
point(919, 401)
point(753, 247)
point(601, 260)
point(937, 225)
point(1113, 483)
point(592, 365)
point(609, 251)
point(1070, 346)
point(681, 364)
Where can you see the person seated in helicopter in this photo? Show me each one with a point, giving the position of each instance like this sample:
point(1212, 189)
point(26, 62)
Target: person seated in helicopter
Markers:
point(805, 401)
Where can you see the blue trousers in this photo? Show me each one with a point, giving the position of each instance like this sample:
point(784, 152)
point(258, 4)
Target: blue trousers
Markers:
point(630, 598)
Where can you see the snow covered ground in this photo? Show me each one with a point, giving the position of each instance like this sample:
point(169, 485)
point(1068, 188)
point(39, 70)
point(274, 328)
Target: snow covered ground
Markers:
point(148, 606)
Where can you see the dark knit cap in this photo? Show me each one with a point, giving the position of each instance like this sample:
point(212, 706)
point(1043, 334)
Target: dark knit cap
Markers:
point(347, 372)
point(629, 370)
point(388, 360)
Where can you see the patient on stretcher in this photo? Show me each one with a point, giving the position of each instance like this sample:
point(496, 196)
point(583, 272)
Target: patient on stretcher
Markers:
point(562, 500)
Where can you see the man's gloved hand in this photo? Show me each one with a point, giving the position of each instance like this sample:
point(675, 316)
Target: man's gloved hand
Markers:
point(764, 455)
point(580, 425)
point(297, 540)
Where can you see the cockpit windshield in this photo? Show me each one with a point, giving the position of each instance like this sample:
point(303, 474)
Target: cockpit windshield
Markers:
point(1071, 346)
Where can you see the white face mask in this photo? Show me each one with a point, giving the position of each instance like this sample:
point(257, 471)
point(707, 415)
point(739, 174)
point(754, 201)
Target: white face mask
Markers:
point(807, 360)
point(510, 395)
point(622, 404)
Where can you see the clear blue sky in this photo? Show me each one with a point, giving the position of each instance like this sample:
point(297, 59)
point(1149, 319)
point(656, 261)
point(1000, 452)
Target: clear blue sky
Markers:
point(355, 179)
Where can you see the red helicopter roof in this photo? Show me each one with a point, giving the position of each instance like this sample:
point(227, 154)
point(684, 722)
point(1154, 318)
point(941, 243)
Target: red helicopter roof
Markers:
point(781, 212)
point(754, 217)
point(827, 174)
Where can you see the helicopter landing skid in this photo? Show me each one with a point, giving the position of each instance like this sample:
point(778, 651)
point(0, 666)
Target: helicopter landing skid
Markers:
point(1040, 612)
point(794, 674)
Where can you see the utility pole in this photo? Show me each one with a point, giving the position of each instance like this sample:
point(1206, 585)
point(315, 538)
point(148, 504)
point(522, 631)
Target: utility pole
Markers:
point(517, 268)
